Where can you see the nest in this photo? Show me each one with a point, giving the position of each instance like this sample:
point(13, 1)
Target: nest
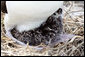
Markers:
point(73, 23)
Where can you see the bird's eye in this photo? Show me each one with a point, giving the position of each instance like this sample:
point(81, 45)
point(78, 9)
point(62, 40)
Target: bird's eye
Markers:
point(54, 14)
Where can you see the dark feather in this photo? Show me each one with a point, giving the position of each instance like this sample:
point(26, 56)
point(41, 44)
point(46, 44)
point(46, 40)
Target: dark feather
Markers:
point(3, 7)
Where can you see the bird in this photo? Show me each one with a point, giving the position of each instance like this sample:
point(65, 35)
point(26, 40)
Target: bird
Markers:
point(44, 17)
point(30, 13)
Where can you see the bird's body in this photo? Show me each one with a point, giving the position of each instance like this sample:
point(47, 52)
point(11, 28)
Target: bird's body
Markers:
point(36, 19)
point(27, 15)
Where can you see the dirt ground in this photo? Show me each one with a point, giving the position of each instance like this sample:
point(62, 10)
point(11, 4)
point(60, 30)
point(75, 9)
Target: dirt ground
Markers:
point(73, 22)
